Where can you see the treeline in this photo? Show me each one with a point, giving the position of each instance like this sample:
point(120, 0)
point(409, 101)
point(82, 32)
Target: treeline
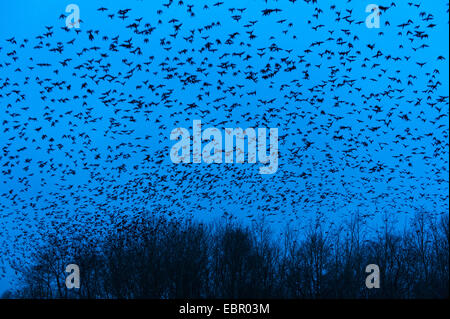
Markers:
point(168, 258)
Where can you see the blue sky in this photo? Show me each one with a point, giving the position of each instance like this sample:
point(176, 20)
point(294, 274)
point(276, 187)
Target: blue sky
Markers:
point(326, 170)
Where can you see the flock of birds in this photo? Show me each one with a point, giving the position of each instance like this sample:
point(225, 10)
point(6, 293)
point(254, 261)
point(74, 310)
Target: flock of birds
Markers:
point(87, 112)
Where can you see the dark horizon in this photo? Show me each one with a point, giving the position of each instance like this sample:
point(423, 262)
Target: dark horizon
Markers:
point(160, 258)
